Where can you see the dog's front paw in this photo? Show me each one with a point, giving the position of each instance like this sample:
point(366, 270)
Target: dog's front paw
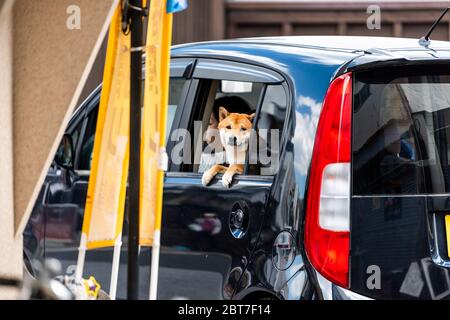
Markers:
point(226, 180)
point(206, 178)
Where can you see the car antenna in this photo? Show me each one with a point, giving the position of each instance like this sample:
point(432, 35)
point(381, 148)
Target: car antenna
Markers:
point(425, 41)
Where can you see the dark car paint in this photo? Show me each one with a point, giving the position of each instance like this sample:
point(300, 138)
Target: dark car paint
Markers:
point(244, 267)
point(308, 73)
point(401, 233)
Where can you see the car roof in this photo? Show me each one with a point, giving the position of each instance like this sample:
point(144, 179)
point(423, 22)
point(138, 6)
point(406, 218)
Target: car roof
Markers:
point(346, 53)
point(350, 43)
point(335, 43)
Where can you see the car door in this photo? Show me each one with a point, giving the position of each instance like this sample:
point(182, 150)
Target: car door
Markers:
point(208, 232)
point(64, 202)
point(55, 215)
point(65, 196)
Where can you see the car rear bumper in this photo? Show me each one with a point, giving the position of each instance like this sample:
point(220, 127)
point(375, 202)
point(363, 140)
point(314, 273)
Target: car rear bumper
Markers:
point(330, 291)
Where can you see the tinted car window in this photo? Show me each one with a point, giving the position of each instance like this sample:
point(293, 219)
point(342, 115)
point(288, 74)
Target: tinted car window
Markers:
point(88, 142)
point(87, 147)
point(270, 124)
point(176, 87)
point(401, 131)
point(76, 134)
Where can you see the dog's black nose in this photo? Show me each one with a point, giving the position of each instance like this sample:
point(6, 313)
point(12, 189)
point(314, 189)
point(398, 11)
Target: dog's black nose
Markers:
point(232, 141)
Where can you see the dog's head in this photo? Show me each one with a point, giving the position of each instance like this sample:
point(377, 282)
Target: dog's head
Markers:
point(234, 128)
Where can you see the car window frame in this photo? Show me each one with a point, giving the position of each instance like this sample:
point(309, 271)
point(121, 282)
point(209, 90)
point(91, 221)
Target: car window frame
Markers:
point(178, 117)
point(83, 122)
point(80, 118)
point(284, 132)
point(272, 77)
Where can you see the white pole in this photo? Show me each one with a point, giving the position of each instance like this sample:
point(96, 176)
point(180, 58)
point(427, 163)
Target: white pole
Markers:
point(115, 268)
point(81, 258)
point(155, 265)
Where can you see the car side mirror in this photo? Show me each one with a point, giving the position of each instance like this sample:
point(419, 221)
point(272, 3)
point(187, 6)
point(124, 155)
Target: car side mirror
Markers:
point(65, 154)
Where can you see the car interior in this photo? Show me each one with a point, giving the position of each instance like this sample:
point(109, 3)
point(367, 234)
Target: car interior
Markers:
point(269, 119)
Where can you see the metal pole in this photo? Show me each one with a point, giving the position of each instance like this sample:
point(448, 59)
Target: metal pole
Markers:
point(81, 258)
point(135, 144)
point(115, 268)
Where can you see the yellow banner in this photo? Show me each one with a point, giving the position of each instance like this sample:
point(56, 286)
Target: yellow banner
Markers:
point(105, 201)
point(447, 228)
point(157, 64)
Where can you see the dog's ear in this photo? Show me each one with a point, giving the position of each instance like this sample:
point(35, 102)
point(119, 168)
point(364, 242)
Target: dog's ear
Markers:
point(251, 117)
point(223, 113)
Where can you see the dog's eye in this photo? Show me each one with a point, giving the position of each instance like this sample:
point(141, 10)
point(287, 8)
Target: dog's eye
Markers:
point(243, 129)
point(229, 127)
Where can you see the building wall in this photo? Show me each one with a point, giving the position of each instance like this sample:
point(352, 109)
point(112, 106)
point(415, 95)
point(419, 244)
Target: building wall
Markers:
point(222, 19)
point(40, 85)
point(273, 18)
point(10, 244)
point(204, 20)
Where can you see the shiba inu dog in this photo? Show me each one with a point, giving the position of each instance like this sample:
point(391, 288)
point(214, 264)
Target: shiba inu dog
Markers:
point(234, 130)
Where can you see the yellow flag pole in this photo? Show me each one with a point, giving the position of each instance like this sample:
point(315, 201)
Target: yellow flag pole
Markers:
point(159, 35)
point(103, 218)
point(153, 153)
point(162, 142)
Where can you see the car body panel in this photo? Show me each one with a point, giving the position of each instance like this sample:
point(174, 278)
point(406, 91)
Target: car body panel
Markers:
point(199, 254)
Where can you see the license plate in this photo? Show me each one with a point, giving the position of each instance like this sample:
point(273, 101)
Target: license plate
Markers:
point(447, 230)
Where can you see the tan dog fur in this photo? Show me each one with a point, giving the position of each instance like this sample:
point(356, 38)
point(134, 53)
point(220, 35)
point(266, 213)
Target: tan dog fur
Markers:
point(234, 129)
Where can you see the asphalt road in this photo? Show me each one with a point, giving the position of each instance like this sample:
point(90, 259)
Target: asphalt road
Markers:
point(189, 282)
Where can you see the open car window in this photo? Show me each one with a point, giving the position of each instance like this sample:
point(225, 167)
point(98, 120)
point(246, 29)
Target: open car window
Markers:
point(268, 102)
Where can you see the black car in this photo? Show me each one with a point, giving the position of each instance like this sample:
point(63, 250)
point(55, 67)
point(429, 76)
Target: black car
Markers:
point(356, 207)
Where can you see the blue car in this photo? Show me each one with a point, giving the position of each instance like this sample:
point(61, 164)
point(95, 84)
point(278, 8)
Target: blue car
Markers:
point(349, 199)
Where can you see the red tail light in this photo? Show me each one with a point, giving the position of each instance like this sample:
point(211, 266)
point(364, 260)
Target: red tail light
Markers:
point(327, 229)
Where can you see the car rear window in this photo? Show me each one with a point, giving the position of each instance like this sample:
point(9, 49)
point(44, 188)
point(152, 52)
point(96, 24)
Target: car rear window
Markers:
point(401, 131)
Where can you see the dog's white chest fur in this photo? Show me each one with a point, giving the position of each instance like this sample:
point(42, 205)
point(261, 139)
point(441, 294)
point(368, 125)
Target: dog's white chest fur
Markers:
point(235, 155)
